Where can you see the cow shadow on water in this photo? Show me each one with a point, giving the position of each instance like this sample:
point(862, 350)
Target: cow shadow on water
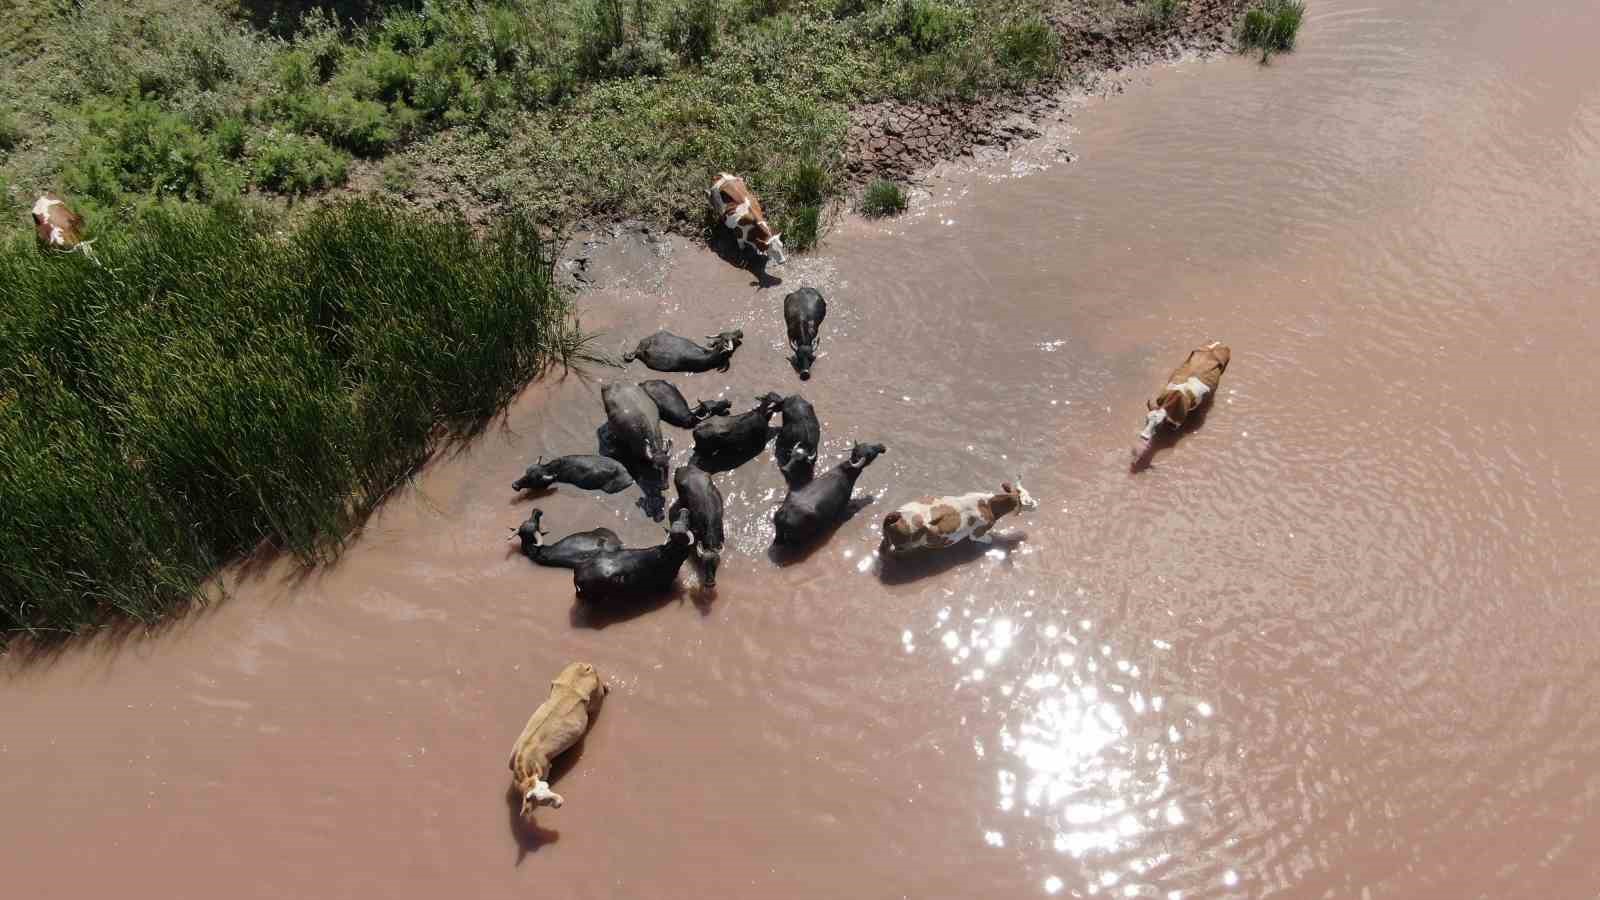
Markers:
point(526, 831)
point(893, 570)
point(1167, 438)
point(726, 246)
point(785, 555)
point(601, 613)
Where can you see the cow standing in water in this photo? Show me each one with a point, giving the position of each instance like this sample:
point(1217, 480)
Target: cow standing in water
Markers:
point(58, 227)
point(739, 209)
point(1189, 387)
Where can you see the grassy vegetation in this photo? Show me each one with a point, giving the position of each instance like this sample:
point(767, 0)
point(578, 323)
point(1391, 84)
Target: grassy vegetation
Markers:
point(622, 107)
point(1160, 13)
point(883, 198)
point(1271, 27)
point(215, 382)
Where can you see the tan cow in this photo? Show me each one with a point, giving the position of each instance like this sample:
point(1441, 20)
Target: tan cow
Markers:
point(57, 226)
point(736, 207)
point(933, 523)
point(1188, 387)
point(556, 725)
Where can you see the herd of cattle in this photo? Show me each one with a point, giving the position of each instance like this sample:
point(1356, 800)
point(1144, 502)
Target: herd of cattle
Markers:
point(634, 451)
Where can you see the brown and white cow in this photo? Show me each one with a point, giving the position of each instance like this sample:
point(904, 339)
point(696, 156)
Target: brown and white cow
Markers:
point(738, 208)
point(937, 522)
point(1188, 387)
point(57, 226)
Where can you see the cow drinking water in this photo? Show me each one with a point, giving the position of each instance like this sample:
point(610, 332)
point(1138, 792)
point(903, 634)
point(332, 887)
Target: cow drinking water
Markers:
point(1189, 387)
point(803, 312)
point(740, 210)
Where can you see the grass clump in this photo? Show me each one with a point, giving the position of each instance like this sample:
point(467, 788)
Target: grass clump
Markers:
point(215, 383)
point(883, 198)
point(1161, 13)
point(1270, 27)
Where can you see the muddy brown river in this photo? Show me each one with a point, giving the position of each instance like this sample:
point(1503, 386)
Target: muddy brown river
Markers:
point(1339, 641)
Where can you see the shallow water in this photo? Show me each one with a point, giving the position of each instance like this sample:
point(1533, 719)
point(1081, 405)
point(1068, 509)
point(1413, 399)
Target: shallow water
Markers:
point(1334, 643)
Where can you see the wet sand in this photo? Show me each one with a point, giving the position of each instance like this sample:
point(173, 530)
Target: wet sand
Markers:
point(1336, 642)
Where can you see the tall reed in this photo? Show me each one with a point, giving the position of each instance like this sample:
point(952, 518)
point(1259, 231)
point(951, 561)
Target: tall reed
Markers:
point(215, 382)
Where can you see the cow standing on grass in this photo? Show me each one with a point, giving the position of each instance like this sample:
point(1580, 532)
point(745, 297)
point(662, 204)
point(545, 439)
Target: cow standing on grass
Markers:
point(58, 227)
point(739, 209)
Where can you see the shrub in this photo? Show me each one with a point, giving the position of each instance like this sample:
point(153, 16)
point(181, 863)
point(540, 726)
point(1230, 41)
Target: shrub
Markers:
point(1271, 26)
point(1158, 13)
point(801, 227)
point(295, 164)
point(925, 26)
point(136, 147)
point(883, 198)
point(692, 33)
point(215, 385)
point(1029, 48)
point(10, 131)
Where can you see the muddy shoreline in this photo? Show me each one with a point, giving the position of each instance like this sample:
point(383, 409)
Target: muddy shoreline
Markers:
point(901, 141)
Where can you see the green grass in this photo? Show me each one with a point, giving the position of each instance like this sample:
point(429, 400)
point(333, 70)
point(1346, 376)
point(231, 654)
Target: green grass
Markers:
point(215, 382)
point(883, 198)
point(1270, 27)
point(613, 107)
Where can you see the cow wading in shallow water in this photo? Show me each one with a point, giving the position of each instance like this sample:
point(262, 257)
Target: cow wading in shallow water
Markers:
point(935, 523)
point(736, 207)
point(1189, 387)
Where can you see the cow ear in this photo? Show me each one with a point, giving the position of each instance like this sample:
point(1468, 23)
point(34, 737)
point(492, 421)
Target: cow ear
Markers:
point(1006, 488)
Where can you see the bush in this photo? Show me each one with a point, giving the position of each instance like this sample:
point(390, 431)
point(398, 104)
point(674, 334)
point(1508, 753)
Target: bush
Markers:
point(136, 147)
point(1029, 48)
point(295, 164)
point(692, 33)
point(10, 131)
point(214, 385)
point(1271, 27)
point(925, 26)
point(1159, 13)
point(883, 198)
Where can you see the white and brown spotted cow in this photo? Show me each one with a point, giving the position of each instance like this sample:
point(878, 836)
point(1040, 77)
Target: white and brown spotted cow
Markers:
point(57, 226)
point(1188, 387)
point(738, 208)
point(937, 522)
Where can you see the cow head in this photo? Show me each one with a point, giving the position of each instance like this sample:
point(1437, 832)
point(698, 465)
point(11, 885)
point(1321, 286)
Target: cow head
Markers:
point(1025, 500)
point(529, 532)
point(708, 408)
point(679, 534)
point(862, 455)
point(726, 342)
point(536, 476)
point(660, 457)
point(805, 356)
point(769, 404)
point(768, 243)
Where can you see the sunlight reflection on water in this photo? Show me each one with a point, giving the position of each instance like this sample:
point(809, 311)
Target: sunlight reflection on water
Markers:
point(1082, 747)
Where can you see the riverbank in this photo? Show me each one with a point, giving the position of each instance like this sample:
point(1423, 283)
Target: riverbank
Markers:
point(565, 110)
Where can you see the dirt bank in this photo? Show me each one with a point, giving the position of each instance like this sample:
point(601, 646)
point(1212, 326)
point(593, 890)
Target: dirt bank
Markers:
point(900, 140)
